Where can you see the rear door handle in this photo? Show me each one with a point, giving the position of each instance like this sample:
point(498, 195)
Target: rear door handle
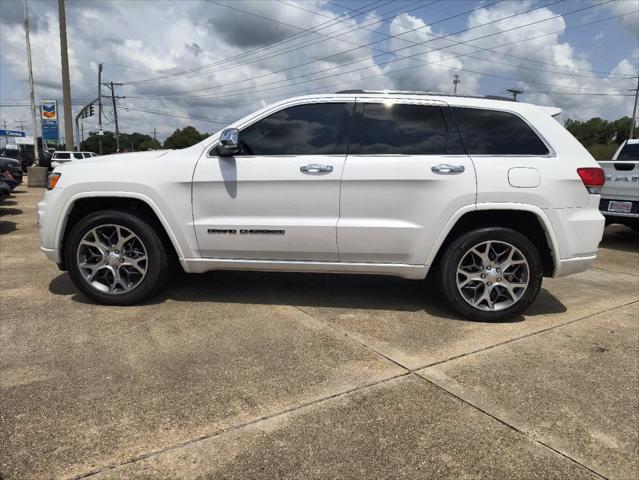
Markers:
point(316, 169)
point(447, 169)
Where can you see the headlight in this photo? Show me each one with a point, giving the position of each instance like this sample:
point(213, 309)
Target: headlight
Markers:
point(53, 180)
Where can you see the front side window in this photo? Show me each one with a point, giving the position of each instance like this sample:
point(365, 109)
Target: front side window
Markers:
point(491, 132)
point(312, 129)
point(403, 129)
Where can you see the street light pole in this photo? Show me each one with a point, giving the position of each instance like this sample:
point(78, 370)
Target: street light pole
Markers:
point(66, 84)
point(33, 107)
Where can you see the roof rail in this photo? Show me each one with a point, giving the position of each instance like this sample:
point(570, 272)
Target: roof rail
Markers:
point(424, 92)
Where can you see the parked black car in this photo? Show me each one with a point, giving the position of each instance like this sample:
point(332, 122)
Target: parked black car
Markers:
point(11, 171)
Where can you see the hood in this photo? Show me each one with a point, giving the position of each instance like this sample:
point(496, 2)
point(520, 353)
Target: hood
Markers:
point(128, 157)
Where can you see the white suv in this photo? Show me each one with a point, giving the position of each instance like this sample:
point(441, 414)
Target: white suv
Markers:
point(59, 157)
point(490, 195)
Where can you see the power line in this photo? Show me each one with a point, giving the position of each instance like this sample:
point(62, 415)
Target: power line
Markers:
point(341, 66)
point(244, 90)
point(262, 58)
point(221, 122)
point(492, 50)
point(259, 49)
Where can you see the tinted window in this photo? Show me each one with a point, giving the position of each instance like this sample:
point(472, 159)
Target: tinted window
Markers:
point(403, 129)
point(630, 151)
point(62, 155)
point(489, 132)
point(78, 156)
point(312, 129)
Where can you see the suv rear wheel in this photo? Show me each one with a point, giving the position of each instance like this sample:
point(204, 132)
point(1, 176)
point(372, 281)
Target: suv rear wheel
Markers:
point(491, 274)
point(116, 257)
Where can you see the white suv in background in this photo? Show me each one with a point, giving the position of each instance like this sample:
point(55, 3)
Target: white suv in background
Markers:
point(60, 157)
point(489, 195)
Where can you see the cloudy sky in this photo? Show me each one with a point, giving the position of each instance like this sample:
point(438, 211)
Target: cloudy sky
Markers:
point(209, 62)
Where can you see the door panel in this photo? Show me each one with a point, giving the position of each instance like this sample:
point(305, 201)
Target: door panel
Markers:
point(393, 206)
point(266, 208)
point(278, 198)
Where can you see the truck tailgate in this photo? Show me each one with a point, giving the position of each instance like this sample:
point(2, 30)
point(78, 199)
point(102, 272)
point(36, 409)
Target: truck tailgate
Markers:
point(622, 180)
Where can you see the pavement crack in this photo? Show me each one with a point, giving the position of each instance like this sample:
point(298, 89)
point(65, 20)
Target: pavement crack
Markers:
point(368, 347)
point(509, 425)
point(531, 334)
point(237, 426)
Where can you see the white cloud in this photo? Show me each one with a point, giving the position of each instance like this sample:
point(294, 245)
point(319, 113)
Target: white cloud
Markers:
point(141, 40)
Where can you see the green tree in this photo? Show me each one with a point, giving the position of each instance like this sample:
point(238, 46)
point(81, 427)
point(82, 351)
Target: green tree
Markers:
point(183, 138)
point(150, 144)
point(129, 142)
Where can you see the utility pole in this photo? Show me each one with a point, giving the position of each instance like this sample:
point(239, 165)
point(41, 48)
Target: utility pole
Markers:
point(154, 134)
point(456, 82)
point(100, 131)
point(21, 122)
point(36, 151)
point(66, 84)
point(634, 111)
point(112, 86)
point(515, 92)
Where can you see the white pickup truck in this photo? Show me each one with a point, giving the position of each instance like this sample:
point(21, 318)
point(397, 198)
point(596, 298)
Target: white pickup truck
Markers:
point(620, 194)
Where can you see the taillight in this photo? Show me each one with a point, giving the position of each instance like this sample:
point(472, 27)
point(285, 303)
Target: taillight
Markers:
point(593, 178)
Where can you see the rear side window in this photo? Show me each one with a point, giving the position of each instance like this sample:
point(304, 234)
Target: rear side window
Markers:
point(313, 129)
point(62, 155)
point(402, 129)
point(630, 151)
point(490, 132)
point(78, 156)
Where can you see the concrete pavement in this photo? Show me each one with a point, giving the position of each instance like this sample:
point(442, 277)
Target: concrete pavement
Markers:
point(256, 375)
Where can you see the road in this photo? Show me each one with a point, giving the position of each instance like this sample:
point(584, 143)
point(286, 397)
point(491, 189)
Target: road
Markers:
point(233, 375)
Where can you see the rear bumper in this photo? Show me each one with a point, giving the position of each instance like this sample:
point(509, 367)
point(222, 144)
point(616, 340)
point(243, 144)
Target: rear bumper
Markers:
point(51, 253)
point(568, 266)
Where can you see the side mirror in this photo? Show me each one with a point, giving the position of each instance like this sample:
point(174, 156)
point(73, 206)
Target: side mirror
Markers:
point(229, 142)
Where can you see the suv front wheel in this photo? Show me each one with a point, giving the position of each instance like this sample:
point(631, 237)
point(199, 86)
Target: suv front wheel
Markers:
point(116, 257)
point(491, 274)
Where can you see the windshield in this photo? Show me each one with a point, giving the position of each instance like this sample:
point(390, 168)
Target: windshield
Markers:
point(629, 152)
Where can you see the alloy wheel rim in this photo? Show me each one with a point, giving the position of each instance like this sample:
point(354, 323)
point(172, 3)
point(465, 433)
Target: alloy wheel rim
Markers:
point(492, 275)
point(112, 259)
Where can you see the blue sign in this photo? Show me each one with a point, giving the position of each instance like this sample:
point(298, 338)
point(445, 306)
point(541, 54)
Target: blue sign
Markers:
point(49, 119)
point(50, 132)
point(12, 133)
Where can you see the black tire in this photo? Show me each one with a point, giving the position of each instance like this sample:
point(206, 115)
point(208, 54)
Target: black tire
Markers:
point(157, 266)
point(457, 250)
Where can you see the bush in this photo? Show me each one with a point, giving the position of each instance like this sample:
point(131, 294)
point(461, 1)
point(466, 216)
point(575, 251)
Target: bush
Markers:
point(603, 152)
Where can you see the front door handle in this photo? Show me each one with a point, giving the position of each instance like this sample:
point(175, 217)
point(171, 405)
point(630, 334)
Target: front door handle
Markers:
point(316, 169)
point(447, 169)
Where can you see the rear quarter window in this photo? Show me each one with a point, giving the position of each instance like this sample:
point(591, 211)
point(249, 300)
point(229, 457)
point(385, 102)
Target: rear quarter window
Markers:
point(630, 151)
point(492, 132)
